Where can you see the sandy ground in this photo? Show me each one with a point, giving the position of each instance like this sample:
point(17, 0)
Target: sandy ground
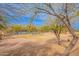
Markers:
point(42, 36)
point(34, 44)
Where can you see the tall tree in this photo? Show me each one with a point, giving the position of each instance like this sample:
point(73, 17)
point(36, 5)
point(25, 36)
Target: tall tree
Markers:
point(64, 17)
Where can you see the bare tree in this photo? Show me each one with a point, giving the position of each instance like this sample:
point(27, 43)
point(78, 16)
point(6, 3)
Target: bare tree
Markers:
point(65, 19)
point(75, 38)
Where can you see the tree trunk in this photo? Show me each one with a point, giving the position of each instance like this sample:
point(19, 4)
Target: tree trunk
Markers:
point(75, 38)
point(71, 31)
point(58, 38)
point(73, 41)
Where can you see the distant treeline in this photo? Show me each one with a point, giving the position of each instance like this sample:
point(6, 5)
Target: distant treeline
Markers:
point(32, 28)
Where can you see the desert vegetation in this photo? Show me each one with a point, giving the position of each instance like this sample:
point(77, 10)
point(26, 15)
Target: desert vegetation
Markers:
point(56, 36)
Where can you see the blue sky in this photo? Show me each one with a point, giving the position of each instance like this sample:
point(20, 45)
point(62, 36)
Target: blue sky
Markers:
point(39, 20)
point(76, 25)
point(10, 10)
point(75, 22)
point(25, 20)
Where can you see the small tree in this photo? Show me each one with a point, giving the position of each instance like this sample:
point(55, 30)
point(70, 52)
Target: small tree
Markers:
point(44, 28)
point(57, 29)
point(2, 27)
point(31, 28)
point(16, 28)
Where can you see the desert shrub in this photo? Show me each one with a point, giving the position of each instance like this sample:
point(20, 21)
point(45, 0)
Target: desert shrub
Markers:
point(44, 28)
point(30, 28)
point(17, 28)
point(2, 27)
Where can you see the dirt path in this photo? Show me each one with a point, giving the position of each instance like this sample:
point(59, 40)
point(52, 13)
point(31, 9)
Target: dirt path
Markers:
point(43, 44)
point(27, 47)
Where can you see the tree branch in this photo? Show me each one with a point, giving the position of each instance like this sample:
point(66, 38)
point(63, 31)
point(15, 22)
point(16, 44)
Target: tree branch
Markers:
point(48, 12)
